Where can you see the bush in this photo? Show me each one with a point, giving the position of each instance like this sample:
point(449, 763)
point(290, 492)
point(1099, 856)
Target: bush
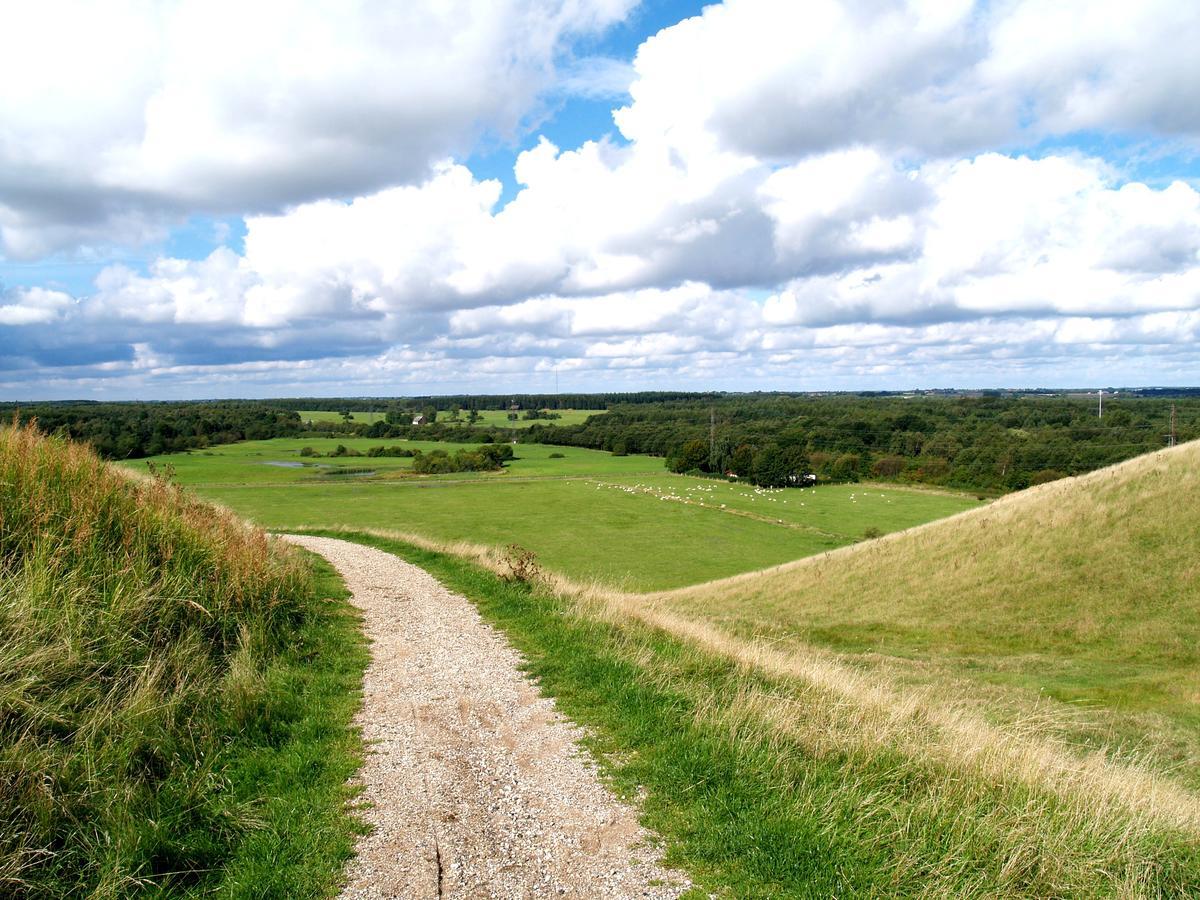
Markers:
point(394, 451)
point(483, 459)
point(520, 564)
point(888, 466)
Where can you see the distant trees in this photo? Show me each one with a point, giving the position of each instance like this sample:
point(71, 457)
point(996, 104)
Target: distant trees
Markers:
point(692, 455)
point(770, 468)
point(482, 459)
point(989, 442)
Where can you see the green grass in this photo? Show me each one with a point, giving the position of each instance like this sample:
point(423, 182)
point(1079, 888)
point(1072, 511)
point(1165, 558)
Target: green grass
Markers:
point(256, 462)
point(493, 418)
point(329, 415)
point(498, 418)
point(588, 514)
point(175, 692)
point(294, 767)
point(752, 809)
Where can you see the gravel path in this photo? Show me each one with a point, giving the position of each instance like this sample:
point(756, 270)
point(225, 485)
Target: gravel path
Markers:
point(477, 786)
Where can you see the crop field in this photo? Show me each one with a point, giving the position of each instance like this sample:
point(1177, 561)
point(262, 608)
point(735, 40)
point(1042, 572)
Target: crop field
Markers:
point(587, 514)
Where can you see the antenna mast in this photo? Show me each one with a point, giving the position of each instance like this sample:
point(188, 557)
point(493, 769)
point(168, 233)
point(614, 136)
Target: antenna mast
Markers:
point(1100, 411)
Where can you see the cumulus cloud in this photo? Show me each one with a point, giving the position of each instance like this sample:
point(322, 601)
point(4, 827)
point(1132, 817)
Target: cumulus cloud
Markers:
point(775, 79)
point(800, 190)
point(118, 118)
point(866, 253)
point(33, 306)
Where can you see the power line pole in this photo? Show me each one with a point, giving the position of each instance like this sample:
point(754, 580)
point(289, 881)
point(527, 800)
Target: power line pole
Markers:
point(1171, 438)
point(1100, 413)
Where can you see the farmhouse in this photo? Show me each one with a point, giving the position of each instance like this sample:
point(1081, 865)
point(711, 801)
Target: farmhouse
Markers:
point(418, 419)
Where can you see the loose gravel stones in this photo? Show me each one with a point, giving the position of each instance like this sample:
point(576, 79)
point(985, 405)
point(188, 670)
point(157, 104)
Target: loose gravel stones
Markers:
point(477, 785)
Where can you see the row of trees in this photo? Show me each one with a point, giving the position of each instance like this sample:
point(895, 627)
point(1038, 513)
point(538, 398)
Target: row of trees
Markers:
point(991, 442)
point(134, 430)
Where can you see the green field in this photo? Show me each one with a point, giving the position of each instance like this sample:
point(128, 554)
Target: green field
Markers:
point(495, 418)
point(499, 418)
point(329, 415)
point(588, 514)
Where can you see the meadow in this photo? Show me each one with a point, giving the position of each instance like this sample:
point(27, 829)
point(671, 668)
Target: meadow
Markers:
point(493, 418)
point(586, 514)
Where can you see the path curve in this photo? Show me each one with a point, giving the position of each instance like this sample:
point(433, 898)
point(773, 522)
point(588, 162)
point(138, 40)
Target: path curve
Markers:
point(477, 785)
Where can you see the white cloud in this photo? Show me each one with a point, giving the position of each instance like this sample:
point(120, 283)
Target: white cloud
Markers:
point(33, 306)
point(790, 202)
point(869, 254)
point(116, 118)
point(776, 79)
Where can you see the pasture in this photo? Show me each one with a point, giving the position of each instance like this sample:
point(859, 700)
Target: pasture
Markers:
point(493, 418)
point(621, 520)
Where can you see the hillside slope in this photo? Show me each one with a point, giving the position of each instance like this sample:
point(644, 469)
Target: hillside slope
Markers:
point(144, 673)
point(1085, 589)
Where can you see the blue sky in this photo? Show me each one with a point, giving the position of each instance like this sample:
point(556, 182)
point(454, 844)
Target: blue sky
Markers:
point(792, 196)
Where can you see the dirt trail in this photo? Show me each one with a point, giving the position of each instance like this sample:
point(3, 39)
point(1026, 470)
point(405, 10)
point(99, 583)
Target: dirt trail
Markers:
point(477, 785)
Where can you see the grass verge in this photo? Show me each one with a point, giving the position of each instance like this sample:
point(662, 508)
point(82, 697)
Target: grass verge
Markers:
point(292, 769)
point(175, 692)
point(754, 800)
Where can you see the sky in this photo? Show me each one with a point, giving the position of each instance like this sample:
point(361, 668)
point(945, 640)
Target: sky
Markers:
point(219, 199)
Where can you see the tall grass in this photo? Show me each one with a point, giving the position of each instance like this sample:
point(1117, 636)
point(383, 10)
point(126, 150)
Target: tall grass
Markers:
point(136, 628)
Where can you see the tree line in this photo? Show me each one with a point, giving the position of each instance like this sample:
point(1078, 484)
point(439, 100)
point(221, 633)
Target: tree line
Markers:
point(992, 441)
point(995, 442)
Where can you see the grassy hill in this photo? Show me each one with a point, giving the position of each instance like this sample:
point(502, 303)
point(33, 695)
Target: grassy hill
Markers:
point(172, 691)
point(1086, 590)
point(998, 704)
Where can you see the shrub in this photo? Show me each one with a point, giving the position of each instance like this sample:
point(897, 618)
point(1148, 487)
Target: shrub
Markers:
point(520, 564)
point(393, 451)
point(888, 466)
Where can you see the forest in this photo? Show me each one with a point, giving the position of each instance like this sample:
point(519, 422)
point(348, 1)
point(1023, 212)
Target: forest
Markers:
point(987, 441)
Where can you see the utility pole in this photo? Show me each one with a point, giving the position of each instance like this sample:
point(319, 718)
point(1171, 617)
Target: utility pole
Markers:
point(1100, 413)
point(1171, 437)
